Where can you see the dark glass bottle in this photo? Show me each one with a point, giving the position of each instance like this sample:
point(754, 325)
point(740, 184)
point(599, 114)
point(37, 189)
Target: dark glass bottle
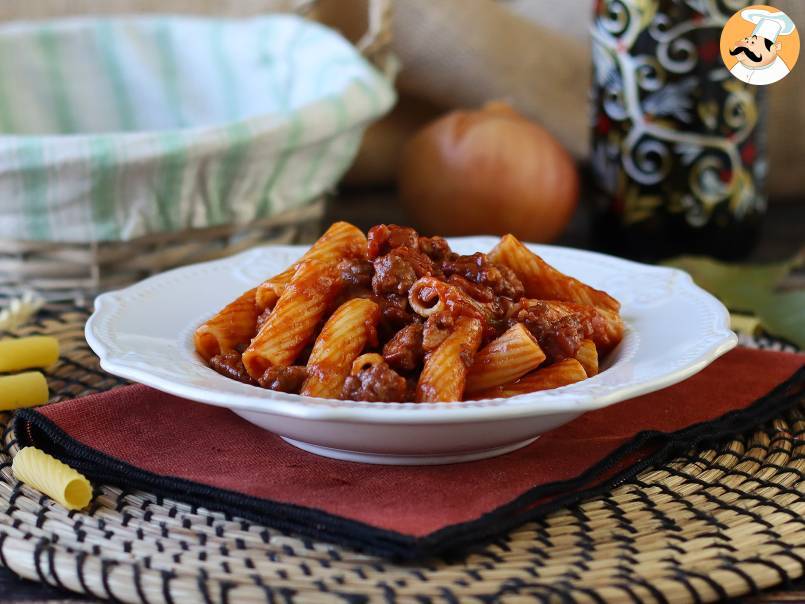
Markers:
point(678, 157)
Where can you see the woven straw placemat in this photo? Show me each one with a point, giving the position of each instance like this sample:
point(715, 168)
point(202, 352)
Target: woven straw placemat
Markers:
point(723, 521)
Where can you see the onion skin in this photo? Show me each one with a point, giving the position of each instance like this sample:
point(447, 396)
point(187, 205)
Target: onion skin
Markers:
point(489, 171)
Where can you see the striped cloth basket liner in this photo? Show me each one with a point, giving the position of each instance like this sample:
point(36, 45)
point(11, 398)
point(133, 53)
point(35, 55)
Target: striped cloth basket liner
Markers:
point(163, 131)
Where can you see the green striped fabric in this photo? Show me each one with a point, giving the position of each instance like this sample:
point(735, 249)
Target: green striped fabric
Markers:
point(130, 126)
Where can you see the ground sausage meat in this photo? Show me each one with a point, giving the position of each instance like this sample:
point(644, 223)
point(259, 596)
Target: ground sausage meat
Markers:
point(477, 268)
point(283, 379)
point(435, 248)
point(383, 238)
point(229, 364)
point(404, 352)
point(378, 383)
point(482, 293)
point(510, 286)
point(356, 273)
point(394, 312)
point(393, 275)
point(558, 336)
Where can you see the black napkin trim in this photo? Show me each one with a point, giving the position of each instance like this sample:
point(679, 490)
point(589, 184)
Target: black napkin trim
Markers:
point(32, 428)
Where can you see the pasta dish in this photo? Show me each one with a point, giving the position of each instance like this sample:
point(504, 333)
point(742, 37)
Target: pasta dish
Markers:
point(393, 317)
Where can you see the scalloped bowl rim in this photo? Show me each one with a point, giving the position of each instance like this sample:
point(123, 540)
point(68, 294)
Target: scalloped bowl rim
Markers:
point(575, 398)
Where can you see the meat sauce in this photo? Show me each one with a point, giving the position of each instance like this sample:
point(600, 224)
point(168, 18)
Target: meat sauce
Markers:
point(396, 257)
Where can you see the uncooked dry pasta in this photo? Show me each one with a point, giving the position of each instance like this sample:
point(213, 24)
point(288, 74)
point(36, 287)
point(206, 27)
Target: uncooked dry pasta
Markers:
point(19, 310)
point(22, 390)
point(32, 352)
point(52, 477)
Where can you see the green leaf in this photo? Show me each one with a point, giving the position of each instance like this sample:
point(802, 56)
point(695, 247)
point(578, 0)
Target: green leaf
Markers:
point(753, 288)
point(784, 315)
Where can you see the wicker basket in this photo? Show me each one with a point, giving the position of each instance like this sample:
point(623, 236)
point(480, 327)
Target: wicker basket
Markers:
point(60, 269)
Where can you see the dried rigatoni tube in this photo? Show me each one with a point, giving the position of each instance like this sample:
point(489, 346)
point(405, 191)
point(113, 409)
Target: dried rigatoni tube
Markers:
point(587, 355)
point(543, 281)
point(293, 322)
point(23, 390)
point(50, 476)
point(32, 352)
point(445, 372)
point(235, 324)
point(559, 374)
point(341, 240)
point(341, 340)
point(504, 359)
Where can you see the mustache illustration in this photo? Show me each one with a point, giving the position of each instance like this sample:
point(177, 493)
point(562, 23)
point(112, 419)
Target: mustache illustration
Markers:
point(743, 49)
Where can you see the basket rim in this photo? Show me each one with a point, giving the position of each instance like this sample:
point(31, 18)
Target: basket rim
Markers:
point(210, 134)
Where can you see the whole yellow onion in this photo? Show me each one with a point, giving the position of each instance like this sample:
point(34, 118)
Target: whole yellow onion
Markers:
point(488, 171)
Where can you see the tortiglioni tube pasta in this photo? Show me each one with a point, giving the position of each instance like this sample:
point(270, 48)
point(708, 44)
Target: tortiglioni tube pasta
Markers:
point(505, 359)
point(392, 316)
point(543, 281)
point(341, 240)
point(23, 390)
point(445, 372)
point(587, 355)
point(342, 339)
point(562, 373)
point(293, 321)
point(429, 296)
point(234, 325)
point(32, 352)
point(50, 476)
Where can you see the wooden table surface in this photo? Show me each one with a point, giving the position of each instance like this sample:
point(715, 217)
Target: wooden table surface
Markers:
point(784, 235)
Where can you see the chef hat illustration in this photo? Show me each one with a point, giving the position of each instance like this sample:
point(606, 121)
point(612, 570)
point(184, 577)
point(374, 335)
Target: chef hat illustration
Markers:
point(768, 25)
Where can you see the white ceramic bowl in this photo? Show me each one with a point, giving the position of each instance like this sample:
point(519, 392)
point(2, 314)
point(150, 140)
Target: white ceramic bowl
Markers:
point(144, 333)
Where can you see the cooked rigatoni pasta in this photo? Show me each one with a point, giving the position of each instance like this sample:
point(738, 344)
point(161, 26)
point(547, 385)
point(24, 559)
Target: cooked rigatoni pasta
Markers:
point(395, 317)
point(605, 326)
point(505, 359)
point(52, 477)
point(341, 240)
point(429, 296)
point(293, 321)
point(553, 376)
point(28, 353)
point(233, 326)
point(445, 372)
point(342, 339)
point(543, 281)
point(587, 355)
point(23, 390)
point(365, 361)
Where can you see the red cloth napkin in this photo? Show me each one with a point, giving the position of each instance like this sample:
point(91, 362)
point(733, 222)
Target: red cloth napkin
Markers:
point(141, 438)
